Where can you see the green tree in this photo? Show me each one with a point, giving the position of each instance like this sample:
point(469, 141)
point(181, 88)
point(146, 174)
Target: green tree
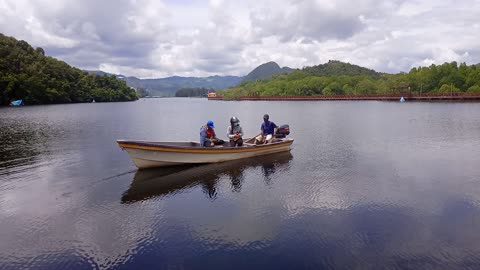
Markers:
point(474, 89)
point(26, 73)
point(448, 89)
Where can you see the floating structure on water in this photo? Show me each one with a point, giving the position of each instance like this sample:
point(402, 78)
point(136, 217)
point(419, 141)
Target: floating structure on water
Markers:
point(422, 97)
point(212, 95)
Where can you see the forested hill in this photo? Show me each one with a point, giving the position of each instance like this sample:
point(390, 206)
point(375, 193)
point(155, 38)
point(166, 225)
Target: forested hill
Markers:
point(27, 74)
point(337, 78)
point(336, 68)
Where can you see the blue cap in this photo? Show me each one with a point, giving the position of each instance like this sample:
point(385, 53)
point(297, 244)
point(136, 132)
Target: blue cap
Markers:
point(210, 124)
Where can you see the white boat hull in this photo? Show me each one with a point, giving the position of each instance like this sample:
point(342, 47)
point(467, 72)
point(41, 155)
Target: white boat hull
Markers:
point(148, 155)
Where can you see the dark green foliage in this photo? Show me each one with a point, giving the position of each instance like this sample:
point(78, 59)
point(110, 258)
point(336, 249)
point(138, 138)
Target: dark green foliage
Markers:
point(26, 73)
point(335, 68)
point(192, 92)
point(337, 78)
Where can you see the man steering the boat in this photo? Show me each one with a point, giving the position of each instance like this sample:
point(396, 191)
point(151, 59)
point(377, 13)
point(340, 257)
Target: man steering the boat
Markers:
point(268, 129)
point(235, 132)
point(208, 137)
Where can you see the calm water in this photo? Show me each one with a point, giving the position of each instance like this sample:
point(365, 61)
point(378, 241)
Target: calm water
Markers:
point(367, 185)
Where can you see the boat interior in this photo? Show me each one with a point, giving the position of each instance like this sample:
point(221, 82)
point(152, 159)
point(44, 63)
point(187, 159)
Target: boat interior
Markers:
point(226, 144)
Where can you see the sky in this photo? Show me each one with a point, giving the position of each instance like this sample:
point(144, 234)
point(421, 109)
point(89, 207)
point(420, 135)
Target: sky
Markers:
point(155, 39)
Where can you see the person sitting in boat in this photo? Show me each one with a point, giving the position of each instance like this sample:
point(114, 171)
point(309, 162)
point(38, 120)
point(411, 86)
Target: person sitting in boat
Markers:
point(235, 132)
point(268, 128)
point(208, 137)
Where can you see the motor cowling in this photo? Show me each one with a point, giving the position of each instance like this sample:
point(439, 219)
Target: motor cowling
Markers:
point(282, 131)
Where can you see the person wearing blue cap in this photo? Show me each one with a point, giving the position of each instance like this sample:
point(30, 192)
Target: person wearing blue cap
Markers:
point(208, 138)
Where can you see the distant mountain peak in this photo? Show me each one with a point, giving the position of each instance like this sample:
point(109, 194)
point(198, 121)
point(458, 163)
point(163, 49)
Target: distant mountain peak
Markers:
point(168, 85)
point(271, 63)
point(265, 71)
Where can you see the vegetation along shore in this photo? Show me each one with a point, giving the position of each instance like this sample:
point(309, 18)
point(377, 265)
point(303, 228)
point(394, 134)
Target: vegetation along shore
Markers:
point(338, 78)
point(27, 74)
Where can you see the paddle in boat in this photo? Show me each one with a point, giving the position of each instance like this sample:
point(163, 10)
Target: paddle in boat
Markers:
point(149, 154)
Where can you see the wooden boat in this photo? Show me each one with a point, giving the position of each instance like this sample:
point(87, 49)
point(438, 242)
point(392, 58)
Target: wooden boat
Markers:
point(147, 154)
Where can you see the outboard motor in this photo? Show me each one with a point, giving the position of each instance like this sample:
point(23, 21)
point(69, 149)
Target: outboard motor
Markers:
point(282, 131)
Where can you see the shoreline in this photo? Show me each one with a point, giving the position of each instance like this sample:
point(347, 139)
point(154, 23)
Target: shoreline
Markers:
point(471, 97)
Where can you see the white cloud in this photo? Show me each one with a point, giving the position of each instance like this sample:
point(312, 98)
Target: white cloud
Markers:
point(149, 38)
point(415, 8)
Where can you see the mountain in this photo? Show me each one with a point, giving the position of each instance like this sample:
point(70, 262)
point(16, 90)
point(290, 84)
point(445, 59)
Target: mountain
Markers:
point(266, 71)
point(336, 68)
point(169, 85)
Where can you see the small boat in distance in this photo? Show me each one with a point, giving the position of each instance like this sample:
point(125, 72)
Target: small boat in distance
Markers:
point(16, 103)
point(147, 154)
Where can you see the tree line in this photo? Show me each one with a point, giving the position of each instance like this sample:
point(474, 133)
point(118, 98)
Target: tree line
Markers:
point(27, 74)
point(192, 92)
point(337, 78)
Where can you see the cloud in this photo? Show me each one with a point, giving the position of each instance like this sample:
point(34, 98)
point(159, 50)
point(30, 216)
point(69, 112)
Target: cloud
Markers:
point(148, 38)
point(316, 20)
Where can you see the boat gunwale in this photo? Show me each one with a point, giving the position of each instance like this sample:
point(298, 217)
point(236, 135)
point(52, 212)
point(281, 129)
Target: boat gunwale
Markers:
point(157, 146)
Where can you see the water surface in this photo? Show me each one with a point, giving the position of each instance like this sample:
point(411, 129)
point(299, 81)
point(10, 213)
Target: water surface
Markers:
point(367, 185)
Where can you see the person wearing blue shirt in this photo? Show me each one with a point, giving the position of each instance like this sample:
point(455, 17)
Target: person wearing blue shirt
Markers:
point(268, 129)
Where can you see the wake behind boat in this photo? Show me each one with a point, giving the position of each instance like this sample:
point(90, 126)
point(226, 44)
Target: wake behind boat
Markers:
point(148, 154)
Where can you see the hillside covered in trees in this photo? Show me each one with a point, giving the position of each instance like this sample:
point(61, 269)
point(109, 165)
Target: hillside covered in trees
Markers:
point(26, 73)
point(333, 67)
point(338, 78)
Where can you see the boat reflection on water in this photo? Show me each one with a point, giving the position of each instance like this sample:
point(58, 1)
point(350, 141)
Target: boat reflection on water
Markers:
point(168, 181)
